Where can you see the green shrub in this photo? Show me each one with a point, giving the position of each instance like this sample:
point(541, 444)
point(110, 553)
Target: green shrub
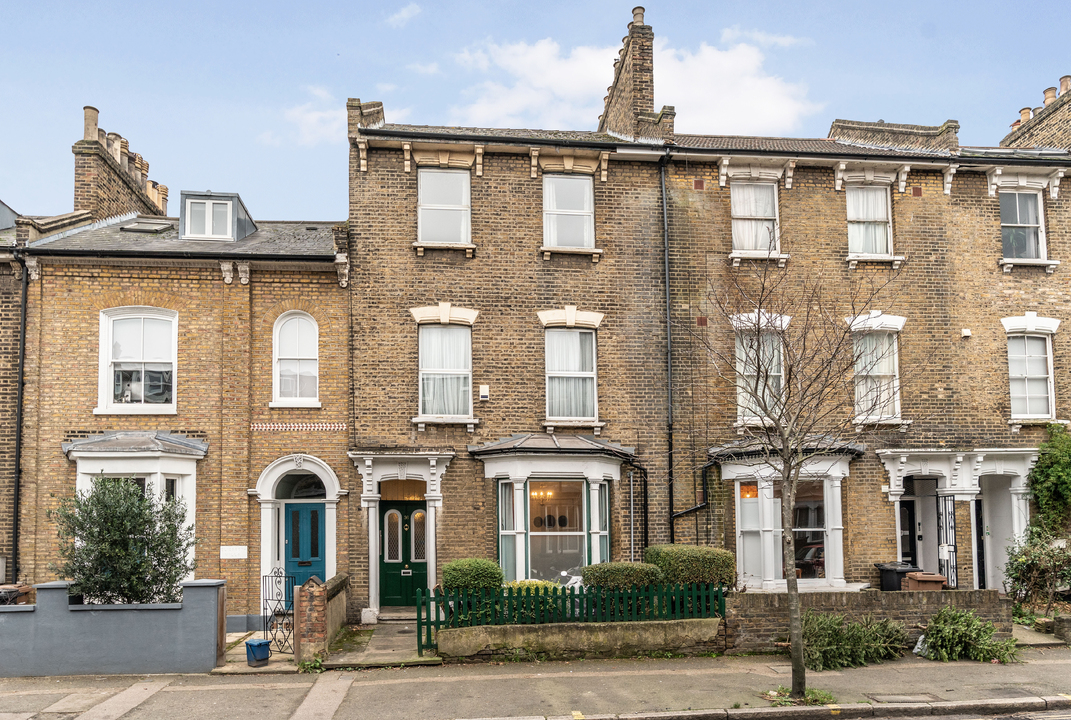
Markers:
point(120, 545)
point(533, 586)
point(622, 575)
point(954, 634)
point(1037, 567)
point(829, 642)
point(472, 574)
point(693, 564)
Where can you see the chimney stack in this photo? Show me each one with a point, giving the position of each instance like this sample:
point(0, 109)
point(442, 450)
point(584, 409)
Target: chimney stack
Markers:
point(1024, 115)
point(92, 116)
point(1050, 96)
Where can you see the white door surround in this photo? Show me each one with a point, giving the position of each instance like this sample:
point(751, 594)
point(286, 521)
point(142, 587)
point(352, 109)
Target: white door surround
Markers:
point(379, 466)
point(271, 521)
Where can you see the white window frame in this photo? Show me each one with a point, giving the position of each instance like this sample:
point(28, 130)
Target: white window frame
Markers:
point(894, 417)
point(467, 208)
point(774, 251)
point(1030, 325)
point(294, 402)
point(105, 380)
point(421, 416)
point(209, 202)
point(742, 397)
point(1043, 252)
point(888, 223)
point(594, 374)
point(583, 535)
point(590, 214)
point(877, 321)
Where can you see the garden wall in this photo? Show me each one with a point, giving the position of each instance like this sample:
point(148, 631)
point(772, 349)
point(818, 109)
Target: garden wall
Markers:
point(564, 641)
point(53, 637)
point(755, 622)
point(319, 611)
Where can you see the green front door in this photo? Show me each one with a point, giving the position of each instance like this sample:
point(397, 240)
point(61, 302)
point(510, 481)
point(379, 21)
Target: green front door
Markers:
point(403, 566)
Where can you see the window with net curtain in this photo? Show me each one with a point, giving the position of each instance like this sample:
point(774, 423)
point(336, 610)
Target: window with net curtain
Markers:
point(444, 206)
point(1020, 225)
point(568, 211)
point(758, 372)
point(297, 352)
point(446, 370)
point(1029, 369)
point(571, 374)
point(876, 391)
point(142, 360)
point(868, 220)
point(754, 211)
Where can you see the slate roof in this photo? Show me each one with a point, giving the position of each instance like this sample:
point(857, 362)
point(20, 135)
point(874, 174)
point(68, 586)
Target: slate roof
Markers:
point(751, 447)
point(543, 443)
point(295, 240)
point(520, 134)
point(133, 441)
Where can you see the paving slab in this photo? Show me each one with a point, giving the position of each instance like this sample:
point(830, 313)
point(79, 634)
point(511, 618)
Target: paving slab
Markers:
point(392, 645)
point(1025, 637)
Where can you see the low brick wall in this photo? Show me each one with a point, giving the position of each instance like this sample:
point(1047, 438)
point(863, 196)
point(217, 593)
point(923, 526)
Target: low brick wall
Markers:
point(1061, 628)
point(319, 612)
point(755, 622)
point(566, 641)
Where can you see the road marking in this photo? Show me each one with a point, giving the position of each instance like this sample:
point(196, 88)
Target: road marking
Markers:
point(834, 709)
point(77, 702)
point(16, 716)
point(577, 715)
point(118, 705)
point(324, 698)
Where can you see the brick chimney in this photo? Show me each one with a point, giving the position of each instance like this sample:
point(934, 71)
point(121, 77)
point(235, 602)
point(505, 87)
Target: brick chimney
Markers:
point(629, 105)
point(109, 180)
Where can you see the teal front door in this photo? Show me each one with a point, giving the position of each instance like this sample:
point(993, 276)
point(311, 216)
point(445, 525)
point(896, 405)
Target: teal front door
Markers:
point(305, 542)
point(403, 560)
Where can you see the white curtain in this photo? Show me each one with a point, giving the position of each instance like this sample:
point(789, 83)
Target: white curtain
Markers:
point(570, 374)
point(445, 370)
point(758, 370)
point(868, 220)
point(875, 375)
point(754, 210)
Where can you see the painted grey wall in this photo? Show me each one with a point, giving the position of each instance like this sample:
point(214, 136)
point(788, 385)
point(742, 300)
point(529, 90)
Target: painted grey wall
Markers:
point(7, 217)
point(54, 638)
point(245, 623)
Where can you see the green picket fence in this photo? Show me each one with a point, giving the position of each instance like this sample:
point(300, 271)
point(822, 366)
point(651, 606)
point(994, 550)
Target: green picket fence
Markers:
point(532, 606)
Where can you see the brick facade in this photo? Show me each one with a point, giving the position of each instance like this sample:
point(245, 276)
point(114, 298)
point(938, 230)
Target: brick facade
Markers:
point(1048, 126)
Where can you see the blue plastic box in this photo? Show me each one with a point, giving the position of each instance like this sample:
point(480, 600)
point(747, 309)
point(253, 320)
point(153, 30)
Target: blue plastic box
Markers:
point(257, 652)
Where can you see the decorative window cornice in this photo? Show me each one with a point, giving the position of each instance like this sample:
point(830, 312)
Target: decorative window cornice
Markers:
point(1030, 323)
point(998, 179)
point(876, 321)
point(445, 314)
point(870, 174)
point(760, 320)
point(569, 316)
point(754, 172)
point(459, 158)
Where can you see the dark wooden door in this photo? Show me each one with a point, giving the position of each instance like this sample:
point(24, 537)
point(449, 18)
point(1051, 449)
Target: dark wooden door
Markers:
point(403, 558)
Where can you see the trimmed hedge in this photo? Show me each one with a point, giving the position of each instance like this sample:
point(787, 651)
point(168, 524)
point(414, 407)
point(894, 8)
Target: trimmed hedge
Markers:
point(693, 564)
point(622, 575)
point(472, 574)
point(534, 586)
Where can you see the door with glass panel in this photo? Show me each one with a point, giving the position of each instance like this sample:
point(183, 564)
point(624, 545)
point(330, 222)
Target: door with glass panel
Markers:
point(305, 554)
point(403, 559)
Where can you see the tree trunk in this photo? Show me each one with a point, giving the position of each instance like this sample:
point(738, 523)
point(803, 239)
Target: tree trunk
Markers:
point(795, 618)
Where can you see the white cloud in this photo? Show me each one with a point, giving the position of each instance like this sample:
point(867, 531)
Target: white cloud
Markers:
point(727, 91)
point(319, 121)
point(431, 68)
point(714, 91)
point(398, 115)
point(386, 87)
point(734, 34)
point(403, 16)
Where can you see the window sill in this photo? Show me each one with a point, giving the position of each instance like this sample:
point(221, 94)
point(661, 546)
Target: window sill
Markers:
point(901, 425)
point(313, 404)
point(752, 422)
point(548, 250)
point(469, 248)
point(421, 421)
point(737, 255)
point(595, 425)
point(854, 259)
point(133, 409)
point(1008, 263)
point(1016, 424)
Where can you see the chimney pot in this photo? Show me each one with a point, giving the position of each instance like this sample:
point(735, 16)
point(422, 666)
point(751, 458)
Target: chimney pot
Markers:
point(113, 145)
point(1024, 114)
point(92, 115)
point(1065, 84)
point(162, 189)
point(1038, 109)
point(1015, 124)
point(637, 15)
point(1050, 96)
point(124, 154)
point(102, 138)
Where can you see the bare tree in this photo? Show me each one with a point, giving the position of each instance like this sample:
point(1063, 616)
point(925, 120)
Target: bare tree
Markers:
point(814, 367)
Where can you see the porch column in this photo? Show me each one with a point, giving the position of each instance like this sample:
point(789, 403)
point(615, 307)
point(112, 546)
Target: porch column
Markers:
point(899, 537)
point(430, 540)
point(520, 527)
point(330, 525)
point(371, 504)
point(769, 520)
point(1020, 517)
point(834, 532)
point(268, 544)
point(593, 520)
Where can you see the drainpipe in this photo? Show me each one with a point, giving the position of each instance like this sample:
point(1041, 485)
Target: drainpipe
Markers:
point(669, 346)
point(18, 418)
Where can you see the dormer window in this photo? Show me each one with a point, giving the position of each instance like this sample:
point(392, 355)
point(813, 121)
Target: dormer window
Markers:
point(208, 219)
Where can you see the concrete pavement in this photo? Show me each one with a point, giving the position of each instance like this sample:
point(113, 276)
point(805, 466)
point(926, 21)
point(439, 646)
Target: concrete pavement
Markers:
point(685, 688)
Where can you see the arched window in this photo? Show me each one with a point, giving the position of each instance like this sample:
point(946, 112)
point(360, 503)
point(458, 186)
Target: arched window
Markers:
point(295, 377)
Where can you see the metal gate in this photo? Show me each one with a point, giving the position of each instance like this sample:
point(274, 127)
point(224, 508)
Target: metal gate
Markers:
point(946, 538)
point(277, 589)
